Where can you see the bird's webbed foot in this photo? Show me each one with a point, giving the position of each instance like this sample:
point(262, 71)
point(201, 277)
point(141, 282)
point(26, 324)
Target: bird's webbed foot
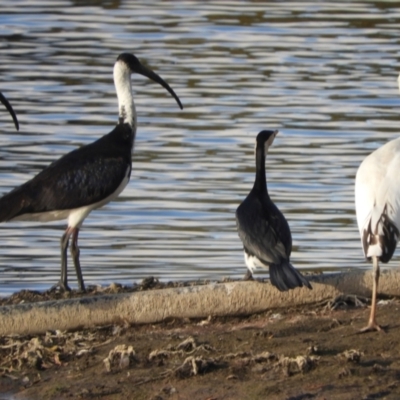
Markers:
point(373, 327)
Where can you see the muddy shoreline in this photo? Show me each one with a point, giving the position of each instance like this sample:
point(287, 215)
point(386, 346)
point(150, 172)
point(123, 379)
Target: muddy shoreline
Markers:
point(194, 300)
point(306, 352)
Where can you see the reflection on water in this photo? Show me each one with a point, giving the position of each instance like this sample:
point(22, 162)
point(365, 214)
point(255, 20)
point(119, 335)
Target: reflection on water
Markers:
point(323, 73)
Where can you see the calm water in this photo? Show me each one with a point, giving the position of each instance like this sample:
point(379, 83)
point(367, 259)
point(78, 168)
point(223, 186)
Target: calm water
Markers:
point(323, 73)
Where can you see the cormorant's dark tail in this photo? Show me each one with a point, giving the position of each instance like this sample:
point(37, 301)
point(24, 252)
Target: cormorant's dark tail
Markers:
point(284, 277)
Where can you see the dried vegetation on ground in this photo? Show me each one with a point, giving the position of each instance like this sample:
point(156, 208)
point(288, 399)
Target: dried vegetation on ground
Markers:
point(310, 352)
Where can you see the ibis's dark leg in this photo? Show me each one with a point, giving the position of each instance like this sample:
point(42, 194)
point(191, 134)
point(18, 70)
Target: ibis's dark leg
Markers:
point(63, 284)
point(75, 256)
point(372, 324)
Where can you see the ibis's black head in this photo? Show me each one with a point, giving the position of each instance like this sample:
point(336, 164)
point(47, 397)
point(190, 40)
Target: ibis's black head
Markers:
point(135, 65)
point(9, 109)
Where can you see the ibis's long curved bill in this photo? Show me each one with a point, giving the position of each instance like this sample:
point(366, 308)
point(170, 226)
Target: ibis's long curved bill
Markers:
point(136, 66)
point(9, 109)
point(156, 78)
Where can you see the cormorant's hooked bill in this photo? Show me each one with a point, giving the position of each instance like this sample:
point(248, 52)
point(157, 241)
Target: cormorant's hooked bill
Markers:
point(9, 109)
point(136, 66)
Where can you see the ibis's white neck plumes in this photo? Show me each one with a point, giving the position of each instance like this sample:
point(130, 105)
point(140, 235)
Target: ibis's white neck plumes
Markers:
point(123, 86)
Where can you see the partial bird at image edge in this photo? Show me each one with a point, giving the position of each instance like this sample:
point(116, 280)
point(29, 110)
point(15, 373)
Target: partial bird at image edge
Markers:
point(9, 108)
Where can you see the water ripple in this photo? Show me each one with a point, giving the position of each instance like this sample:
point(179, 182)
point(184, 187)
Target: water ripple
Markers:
point(323, 73)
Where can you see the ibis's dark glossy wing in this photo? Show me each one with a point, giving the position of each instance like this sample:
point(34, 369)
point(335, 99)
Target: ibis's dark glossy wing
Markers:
point(84, 176)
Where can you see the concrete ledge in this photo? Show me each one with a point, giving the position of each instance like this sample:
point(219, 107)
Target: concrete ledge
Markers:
point(223, 299)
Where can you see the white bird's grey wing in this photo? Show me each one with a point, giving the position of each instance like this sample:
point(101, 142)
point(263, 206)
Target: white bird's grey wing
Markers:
point(377, 195)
